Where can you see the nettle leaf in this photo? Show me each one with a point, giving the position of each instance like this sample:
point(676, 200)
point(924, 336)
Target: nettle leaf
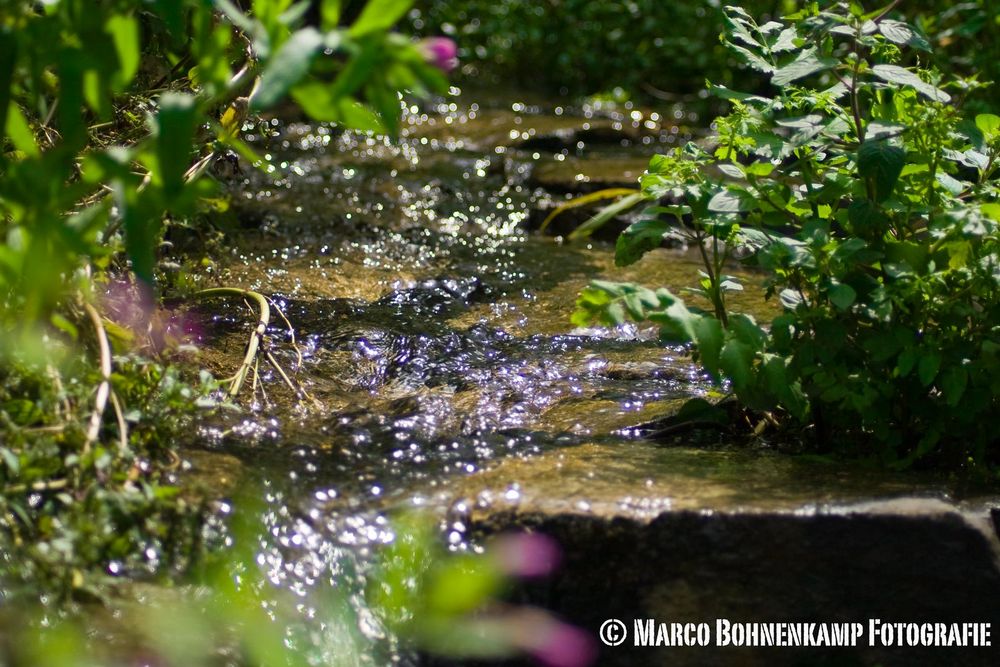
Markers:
point(639, 238)
point(903, 33)
point(730, 201)
point(866, 217)
point(287, 67)
point(804, 127)
point(755, 61)
point(904, 77)
point(787, 40)
point(806, 63)
point(881, 163)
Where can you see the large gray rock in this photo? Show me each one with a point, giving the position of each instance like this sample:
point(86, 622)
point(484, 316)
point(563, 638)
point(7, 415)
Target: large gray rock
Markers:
point(761, 538)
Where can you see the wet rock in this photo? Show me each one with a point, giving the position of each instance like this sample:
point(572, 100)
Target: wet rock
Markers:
point(695, 536)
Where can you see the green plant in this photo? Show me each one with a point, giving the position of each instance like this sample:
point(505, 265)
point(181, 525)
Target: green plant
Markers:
point(870, 205)
point(110, 115)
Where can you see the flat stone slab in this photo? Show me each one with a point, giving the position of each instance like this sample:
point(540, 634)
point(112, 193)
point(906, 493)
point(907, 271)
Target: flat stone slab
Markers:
point(692, 536)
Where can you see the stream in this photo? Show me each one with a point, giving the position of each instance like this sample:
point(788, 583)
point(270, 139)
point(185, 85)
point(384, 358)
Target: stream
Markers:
point(434, 333)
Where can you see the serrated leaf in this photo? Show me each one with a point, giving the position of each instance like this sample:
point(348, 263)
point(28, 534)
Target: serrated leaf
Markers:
point(904, 77)
point(787, 40)
point(903, 33)
point(639, 238)
point(730, 201)
point(806, 63)
point(755, 61)
point(882, 163)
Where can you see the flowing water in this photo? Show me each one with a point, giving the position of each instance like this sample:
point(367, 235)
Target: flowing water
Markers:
point(435, 340)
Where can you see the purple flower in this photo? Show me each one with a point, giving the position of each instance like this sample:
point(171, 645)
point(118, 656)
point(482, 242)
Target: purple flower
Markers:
point(551, 642)
point(441, 52)
point(526, 554)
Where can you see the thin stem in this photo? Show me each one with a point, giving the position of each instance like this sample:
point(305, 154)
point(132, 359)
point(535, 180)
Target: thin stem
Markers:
point(253, 345)
point(104, 389)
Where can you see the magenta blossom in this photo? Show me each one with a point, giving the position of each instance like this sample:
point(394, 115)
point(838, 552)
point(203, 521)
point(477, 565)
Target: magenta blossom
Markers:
point(441, 52)
point(551, 642)
point(526, 554)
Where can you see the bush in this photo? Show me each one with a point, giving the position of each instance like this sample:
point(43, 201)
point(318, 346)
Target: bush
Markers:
point(648, 47)
point(869, 202)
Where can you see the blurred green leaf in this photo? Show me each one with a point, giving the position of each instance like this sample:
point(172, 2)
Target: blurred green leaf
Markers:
point(175, 124)
point(124, 31)
point(287, 67)
point(379, 15)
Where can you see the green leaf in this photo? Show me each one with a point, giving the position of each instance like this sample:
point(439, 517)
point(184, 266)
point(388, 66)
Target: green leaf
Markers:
point(20, 132)
point(806, 63)
point(866, 217)
point(736, 361)
point(605, 215)
point(730, 201)
point(640, 238)
point(287, 67)
point(709, 335)
point(8, 58)
point(904, 77)
point(953, 383)
point(175, 123)
point(903, 33)
point(329, 12)
point(989, 125)
point(928, 367)
point(991, 211)
point(600, 195)
point(318, 101)
point(881, 163)
point(124, 31)
point(379, 15)
point(842, 296)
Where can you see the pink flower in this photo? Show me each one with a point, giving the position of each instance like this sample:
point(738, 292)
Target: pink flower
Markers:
point(551, 642)
point(526, 554)
point(441, 52)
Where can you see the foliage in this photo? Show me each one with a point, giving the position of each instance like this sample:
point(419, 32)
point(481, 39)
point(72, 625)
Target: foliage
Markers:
point(869, 202)
point(650, 47)
point(235, 612)
point(111, 114)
